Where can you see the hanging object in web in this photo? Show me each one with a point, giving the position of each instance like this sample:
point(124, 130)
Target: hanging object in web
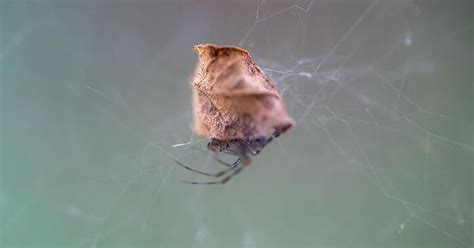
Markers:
point(235, 106)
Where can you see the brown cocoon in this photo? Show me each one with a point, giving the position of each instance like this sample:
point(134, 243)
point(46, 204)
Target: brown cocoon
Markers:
point(232, 98)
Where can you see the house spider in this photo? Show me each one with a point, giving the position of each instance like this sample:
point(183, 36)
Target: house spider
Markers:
point(235, 106)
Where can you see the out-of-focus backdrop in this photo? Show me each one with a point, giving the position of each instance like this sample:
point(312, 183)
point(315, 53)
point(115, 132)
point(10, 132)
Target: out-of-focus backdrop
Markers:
point(96, 105)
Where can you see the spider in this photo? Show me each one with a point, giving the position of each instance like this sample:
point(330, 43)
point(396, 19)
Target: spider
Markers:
point(235, 106)
point(243, 149)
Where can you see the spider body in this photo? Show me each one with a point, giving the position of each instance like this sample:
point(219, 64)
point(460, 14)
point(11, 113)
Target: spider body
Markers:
point(243, 147)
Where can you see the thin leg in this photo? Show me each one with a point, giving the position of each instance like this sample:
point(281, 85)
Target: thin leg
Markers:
point(225, 163)
point(248, 147)
point(233, 150)
point(237, 170)
point(220, 160)
point(217, 174)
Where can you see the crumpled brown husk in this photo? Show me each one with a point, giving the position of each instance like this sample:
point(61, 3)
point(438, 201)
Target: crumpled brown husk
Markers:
point(232, 98)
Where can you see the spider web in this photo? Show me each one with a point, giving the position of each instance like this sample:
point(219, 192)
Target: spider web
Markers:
point(96, 107)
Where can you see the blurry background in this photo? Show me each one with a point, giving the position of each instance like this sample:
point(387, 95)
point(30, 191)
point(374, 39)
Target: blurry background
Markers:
point(96, 104)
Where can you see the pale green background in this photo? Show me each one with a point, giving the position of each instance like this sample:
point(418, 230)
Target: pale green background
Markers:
point(95, 94)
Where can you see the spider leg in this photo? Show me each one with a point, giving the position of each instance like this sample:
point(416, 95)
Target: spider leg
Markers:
point(214, 156)
point(225, 163)
point(248, 147)
point(216, 174)
point(224, 180)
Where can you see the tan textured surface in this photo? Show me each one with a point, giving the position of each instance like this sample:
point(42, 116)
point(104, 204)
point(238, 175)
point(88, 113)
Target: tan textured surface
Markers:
point(232, 98)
